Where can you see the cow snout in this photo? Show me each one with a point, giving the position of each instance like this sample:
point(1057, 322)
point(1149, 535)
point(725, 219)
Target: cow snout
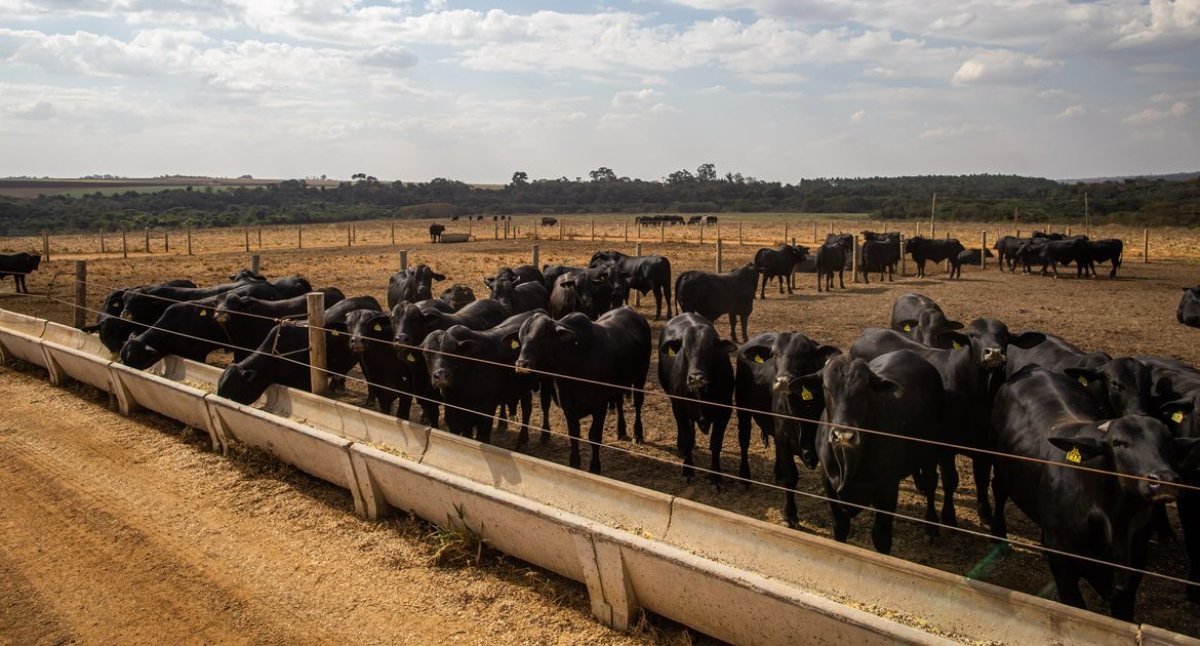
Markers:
point(841, 437)
point(357, 346)
point(222, 317)
point(781, 384)
point(1161, 486)
point(440, 378)
point(697, 381)
point(994, 357)
point(522, 365)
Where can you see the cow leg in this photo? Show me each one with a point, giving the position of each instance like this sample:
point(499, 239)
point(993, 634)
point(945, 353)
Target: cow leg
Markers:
point(745, 321)
point(403, 405)
point(949, 486)
point(639, 398)
point(547, 397)
point(1066, 579)
point(595, 437)
point(744, 429)
point(716, 440)
point(999, 522)
point(1189, 517)
point(885, 507)
point(573, 433)
point(483, 424)
point(781, 283)
point(618, 403)
point(926, 479)
point(841, 278)
point(762, 291)
point(788, 476)
point(841, 517)
point(526, 414)
point(867, 277)
point(819, 280)
point(981, 468)
point(685, 439)
point(808, 444)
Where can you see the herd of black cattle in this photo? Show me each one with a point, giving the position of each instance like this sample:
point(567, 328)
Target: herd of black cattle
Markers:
point(898, 402)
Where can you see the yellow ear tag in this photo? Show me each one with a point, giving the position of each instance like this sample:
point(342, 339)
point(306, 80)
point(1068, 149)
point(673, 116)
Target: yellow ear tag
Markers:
point(516, 345)
point(1074, 456)
point(378, 327)
point(1083, 380)
point(203, 312)
point(957, 346)
point(1177, 417)
point(333, 332)
point(758, 359)
point(411, 358)
point(670, 352)
point(805, 394)
point(907, 328)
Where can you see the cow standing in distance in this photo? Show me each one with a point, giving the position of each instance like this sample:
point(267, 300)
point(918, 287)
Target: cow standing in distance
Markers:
point(880, 252)
point(1050, 253)
point(1188, 311)
point(899, 394)
point(974, 256)
point(646, 274)
point(1097, 515)
point(1006, 251)
point(924, 250)
point(831, 257)
point(693, 365)
point(780, 263)
point(768, 394)
point(613, 350)
point(435, 232)
point(19, 265)
point(716, 295)
point(371, 341)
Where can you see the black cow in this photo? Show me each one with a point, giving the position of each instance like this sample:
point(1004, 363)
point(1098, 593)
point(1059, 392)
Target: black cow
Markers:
point(1109, 251)
point(412, 285)
point(458, 296)
point(371, 341)
point(1006, 251)
point(779, 263)
point(190, 330)
point(645, 274)
point(899, 394)
point(921, 318)
point(767, 394)
point(113, 330)
point(550, 274)
point(1049, 416)
point(462, 367)
point(1055, 353)
point(613, 350)
point(972, 370)
point(19, 265)
point(518, 275)
point(974, 256)
point(283, 359)
point(436, 231)
point(924, 250)
point(717, 295)
point(576, 291)
point(832, 257)
point(1188, 311)
point(549, 222)
point(693, 364)
point(1052, 252)
point(880, 252)
point(144, 305)
point(523, 297)
point(247, 320)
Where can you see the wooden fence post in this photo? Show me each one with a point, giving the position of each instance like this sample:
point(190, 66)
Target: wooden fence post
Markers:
point(403, 259)
point(855, 261)
point(903, 263)
point(593, 229)
point(80, 293)
point(637, 296)
point(536, 257)
point(299, 236)
point(189, 239)
point(739, 233)
point(785, 232)
point(260, 237)
point(1145, 246)
point(316, 343)
point(662, 232)
point(983, 252)
point(701, 232)
point(626, 230)
point(349, 235)
point(814, 231)
point(102, 249)
point(45, 246)
point(167, 242)
point(255, 263)
point(393, 232)
point(246, 231)
point(146, 233)
point(718, 255)
point(124, 244)
point(561, 225)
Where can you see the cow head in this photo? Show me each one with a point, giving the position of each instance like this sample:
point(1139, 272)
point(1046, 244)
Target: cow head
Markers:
point(547, 344)
point(138, 354)
point(242, 385)
point(367, 328)
point(932, 328)
point(229, 305)
point(697, 349)
point(408, 330)
point(1122, 386)
point(988, 339)
point(458, 296)
point(853, 397)
point(1134, 445)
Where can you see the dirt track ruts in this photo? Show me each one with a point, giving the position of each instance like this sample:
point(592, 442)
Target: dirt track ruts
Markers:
point(116, 532)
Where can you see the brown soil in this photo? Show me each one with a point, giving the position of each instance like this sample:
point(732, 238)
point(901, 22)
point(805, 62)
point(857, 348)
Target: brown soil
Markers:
point(1132, 315)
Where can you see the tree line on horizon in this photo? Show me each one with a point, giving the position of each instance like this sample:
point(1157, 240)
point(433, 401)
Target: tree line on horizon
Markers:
point(983, 197)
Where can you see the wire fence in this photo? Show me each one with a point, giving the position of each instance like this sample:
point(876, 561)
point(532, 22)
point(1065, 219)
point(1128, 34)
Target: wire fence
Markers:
point(493, 417)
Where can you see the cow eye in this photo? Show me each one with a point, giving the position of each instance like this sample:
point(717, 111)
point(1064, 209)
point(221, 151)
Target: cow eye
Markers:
point(1120, 444)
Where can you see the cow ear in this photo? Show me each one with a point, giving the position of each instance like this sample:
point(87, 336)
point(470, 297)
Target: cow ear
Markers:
point(956, 340)
point(1175, 412)
point(511, 342)
point(1079, 449)
point(953, 325)
point(907, 325)
point(886, 387)
point(566, 335)
point(670, 348)
point(1084, 376)
point(250, 375)
point(1027, 340)
point(757, 353)
point(437, 276)
point(727, 346)
point(809, 388)
point(828, 352)
point(488, 280)
point(566, 283)
point(335, 329)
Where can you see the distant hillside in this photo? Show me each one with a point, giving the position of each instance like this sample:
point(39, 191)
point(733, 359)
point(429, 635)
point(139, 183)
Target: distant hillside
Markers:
point(1170, 177)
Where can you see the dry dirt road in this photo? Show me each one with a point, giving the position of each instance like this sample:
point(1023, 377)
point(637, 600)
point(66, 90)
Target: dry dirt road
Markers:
point(125, 530)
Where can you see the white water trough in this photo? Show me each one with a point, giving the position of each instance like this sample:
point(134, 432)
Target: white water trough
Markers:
point(730, 576)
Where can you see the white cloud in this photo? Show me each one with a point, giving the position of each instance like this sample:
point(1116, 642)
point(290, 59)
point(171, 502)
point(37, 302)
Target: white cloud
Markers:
point(951, 132)
point(1072, 111)
point(858, 116)
point(1151, 115)
point(1002, 67)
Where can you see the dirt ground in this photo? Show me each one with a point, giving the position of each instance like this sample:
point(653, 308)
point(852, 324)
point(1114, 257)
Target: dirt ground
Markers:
point(1129, 316)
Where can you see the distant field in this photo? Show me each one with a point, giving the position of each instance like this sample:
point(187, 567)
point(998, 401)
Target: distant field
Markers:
point(31, 188)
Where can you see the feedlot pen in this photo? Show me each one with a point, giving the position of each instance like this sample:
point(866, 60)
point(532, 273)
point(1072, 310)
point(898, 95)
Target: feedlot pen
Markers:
point(1132, 315)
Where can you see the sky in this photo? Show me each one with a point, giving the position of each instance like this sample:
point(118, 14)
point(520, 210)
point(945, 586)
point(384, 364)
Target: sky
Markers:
point(774, 89)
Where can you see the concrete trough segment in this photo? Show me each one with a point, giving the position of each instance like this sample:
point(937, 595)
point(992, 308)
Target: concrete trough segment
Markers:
point(730, 576)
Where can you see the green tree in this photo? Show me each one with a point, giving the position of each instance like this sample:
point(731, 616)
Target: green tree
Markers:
point(706, 172)
point(603, 174)
point(520, 178)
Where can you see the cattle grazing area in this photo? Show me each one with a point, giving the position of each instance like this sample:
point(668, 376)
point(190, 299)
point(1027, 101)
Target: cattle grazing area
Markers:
point(1131, 315)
